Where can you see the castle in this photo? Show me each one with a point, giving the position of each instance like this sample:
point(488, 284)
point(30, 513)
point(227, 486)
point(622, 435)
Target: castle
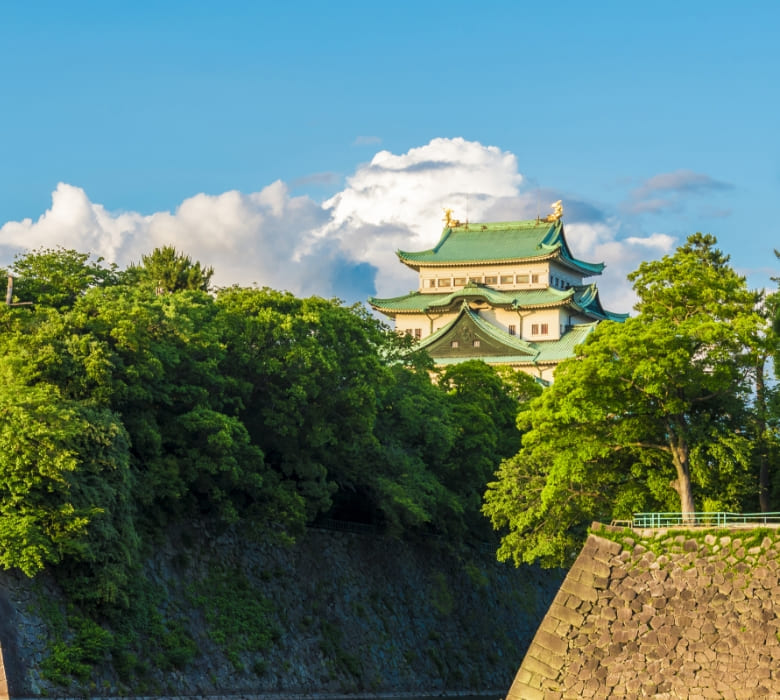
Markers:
point(506, 293)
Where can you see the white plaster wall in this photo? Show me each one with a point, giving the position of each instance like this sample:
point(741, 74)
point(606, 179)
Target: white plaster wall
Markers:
point(565, 274)
point(549, 316)
point(409, 322)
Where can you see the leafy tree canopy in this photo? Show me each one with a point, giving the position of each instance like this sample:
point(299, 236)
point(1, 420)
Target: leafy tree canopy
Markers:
point(167, 270)
point(646, 411)
point(56, 277)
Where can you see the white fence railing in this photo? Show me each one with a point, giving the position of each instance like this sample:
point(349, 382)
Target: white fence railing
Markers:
point(663, 520)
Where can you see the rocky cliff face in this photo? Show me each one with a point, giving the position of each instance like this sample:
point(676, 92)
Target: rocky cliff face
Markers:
point(344, 612)
point(663, 615)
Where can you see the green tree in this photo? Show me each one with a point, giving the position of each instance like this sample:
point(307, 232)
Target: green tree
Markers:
point(768, 403)
point(646, 410)
point(158, 361)
point(415, 432)
point(56, 277)
point(65, 491)
point(763, 422)
point(710, 309)
point(313, 374)
point(483, 415)
point(167, 270)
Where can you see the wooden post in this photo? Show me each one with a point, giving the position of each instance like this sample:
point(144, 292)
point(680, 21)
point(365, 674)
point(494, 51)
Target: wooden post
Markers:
point(9, 296)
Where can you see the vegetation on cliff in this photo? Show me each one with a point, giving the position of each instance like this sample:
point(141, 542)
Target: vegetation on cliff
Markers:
point(137, 399)
point(669, 411)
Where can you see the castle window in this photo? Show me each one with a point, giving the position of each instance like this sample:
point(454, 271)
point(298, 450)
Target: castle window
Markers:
point(431, 283)
point(459, 281)
point(507, 279)
point(545, 329)
point(417, 333)
point(444, 283)
point(512, 329)
point(454, 344)
point(534, 329)
point(491, 280)
point(475, 344)
point(476, 280)
point(534, 279)
point(522, 279)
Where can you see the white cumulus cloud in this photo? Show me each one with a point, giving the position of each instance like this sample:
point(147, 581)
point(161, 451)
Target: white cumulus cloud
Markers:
point(346, 245)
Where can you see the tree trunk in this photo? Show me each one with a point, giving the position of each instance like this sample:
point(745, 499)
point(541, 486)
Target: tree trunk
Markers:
point(761, 442)
point(682, 484)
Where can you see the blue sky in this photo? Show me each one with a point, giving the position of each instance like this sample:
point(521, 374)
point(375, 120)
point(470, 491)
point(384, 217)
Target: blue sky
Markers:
point(650, 120)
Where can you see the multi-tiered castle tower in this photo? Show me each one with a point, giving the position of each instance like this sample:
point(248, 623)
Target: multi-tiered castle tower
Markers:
point(506, 293)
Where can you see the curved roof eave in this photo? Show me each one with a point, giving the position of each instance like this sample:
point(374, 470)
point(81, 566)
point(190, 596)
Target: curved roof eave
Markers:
point(588, 299)
point(496, 297)
point(416, 265)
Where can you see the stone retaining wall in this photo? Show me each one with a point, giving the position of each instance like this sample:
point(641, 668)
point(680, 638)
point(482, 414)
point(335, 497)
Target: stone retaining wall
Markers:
point(679, 615)
point(350, 613)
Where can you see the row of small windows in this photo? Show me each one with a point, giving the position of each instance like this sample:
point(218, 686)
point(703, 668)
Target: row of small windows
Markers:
point(456, 344)
point(536, 329)
point(487, 279)
point(559, 283)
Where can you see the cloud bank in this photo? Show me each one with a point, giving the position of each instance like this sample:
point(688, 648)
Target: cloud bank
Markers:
point(669, 191)
point(346, 245)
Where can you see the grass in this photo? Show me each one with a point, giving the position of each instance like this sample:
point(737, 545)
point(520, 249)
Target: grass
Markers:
point(668, 544)
point(239, 619)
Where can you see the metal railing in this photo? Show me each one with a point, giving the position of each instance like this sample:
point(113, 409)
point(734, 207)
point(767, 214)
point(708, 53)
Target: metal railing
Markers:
point(662, 520)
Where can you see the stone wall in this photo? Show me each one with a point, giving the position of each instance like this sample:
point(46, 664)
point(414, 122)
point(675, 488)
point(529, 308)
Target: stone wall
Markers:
point(11, 669)
point(665, 615)
point(354, 614)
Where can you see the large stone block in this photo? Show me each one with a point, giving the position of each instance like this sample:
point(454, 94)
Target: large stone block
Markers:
point(580, 590)
point(525, 692)
point(550, 642)
point(561, 612)
point(534, 665)
point(594, 566)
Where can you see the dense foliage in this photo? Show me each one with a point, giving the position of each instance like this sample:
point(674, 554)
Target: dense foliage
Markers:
point(669, 411)
point(134, 399)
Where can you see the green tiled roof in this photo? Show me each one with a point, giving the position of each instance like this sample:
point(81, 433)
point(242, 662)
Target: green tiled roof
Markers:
point(558, 350)
point(420, 301)
point(505, 348)
point(515, 241)
point(584, 298)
